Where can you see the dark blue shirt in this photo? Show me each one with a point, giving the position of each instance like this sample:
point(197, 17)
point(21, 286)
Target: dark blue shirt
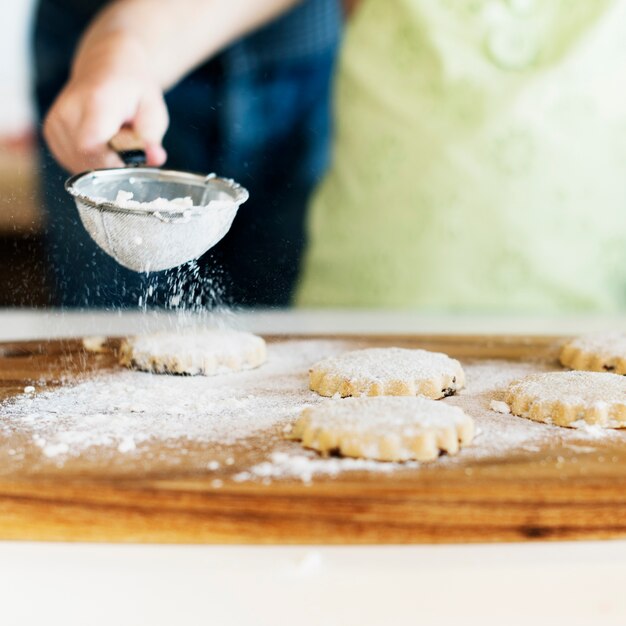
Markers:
point(259, 112)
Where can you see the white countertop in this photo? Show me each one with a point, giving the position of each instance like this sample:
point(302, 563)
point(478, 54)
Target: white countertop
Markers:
point(92, 585)
point(35, 324)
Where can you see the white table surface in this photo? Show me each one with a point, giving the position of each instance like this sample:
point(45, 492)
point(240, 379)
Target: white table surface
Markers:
point(505, 584)
point(32, 324)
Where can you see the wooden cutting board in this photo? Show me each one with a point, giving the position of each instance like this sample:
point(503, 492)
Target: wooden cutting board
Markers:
point(546, 493)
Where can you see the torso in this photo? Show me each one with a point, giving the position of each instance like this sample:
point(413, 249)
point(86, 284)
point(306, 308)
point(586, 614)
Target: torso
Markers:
point(479, 160)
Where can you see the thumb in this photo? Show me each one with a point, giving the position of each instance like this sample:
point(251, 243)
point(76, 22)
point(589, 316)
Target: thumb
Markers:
point(155, 154)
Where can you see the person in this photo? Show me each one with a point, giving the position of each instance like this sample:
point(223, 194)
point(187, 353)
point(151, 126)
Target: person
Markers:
point(247, 87)
point(478, 163)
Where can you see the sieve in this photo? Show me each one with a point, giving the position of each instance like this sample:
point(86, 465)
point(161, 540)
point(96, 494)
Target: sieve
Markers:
point(151, 239)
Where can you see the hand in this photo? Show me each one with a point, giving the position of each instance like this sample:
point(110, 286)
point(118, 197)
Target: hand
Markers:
point(100, 98)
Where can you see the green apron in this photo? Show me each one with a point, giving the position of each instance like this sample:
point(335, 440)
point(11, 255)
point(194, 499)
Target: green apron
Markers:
point(480, 159)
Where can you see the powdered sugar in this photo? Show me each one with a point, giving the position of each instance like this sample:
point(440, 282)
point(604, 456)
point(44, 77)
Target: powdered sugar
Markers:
point(94, 343)
point(387, 371)
point(199, 351)
point(385, 428)
point(123, 409)
point(384, 364)
point(305, 466)
point(499, 407)
point(571, 398)
point(498, 435)
point(573, 388)
point(599, 353)
point(125, 200)
point(608, 345)
point(385, 414)
point(235, 424)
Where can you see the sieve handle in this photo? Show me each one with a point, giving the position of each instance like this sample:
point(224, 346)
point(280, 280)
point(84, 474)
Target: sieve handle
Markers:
point(129, 146)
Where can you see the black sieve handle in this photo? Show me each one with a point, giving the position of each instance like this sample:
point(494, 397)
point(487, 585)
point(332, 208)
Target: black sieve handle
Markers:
point(129, 147)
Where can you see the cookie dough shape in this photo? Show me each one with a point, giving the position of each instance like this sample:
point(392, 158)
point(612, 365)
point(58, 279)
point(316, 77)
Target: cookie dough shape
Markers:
point(574, 399)
point(205, 352)
point(384, 428)
point(596, 353)
point(387, 372)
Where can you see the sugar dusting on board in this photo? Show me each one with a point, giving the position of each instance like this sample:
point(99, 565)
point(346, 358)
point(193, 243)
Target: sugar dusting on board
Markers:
point(305, 466)
point(233, 425)
point(125, 409)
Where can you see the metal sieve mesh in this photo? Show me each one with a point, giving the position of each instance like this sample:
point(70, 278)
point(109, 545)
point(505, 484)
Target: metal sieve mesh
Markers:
point(147, 239)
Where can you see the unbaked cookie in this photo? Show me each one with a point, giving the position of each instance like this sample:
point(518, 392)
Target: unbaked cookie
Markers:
point(204, 352)
point(387, 372)
point(573, 399)
point(384, 428)
point(95, 344)
point(596, 353)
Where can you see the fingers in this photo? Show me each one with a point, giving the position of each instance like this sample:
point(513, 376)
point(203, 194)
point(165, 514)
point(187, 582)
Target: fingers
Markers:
point(151, 119)
point(155, 155)
point(150, 123)
point(84, 119)
point(74, 131)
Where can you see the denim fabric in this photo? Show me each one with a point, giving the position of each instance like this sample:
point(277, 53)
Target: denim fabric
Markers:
point(259, 113)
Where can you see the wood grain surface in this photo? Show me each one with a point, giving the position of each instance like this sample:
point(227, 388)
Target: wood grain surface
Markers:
point(536, 495)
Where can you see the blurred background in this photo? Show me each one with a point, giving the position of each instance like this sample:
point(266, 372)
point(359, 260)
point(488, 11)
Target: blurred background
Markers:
point(27, 265)
point(518, 97)
point(22, 281)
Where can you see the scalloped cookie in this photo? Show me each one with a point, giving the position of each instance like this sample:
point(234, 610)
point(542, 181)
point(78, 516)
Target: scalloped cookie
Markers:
point(384, 428)
point(596, 353)
point(574, 399)
point(387, 372)
point(205, 352)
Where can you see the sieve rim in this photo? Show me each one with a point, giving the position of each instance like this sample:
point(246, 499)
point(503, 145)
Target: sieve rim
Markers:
point(240, 193)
